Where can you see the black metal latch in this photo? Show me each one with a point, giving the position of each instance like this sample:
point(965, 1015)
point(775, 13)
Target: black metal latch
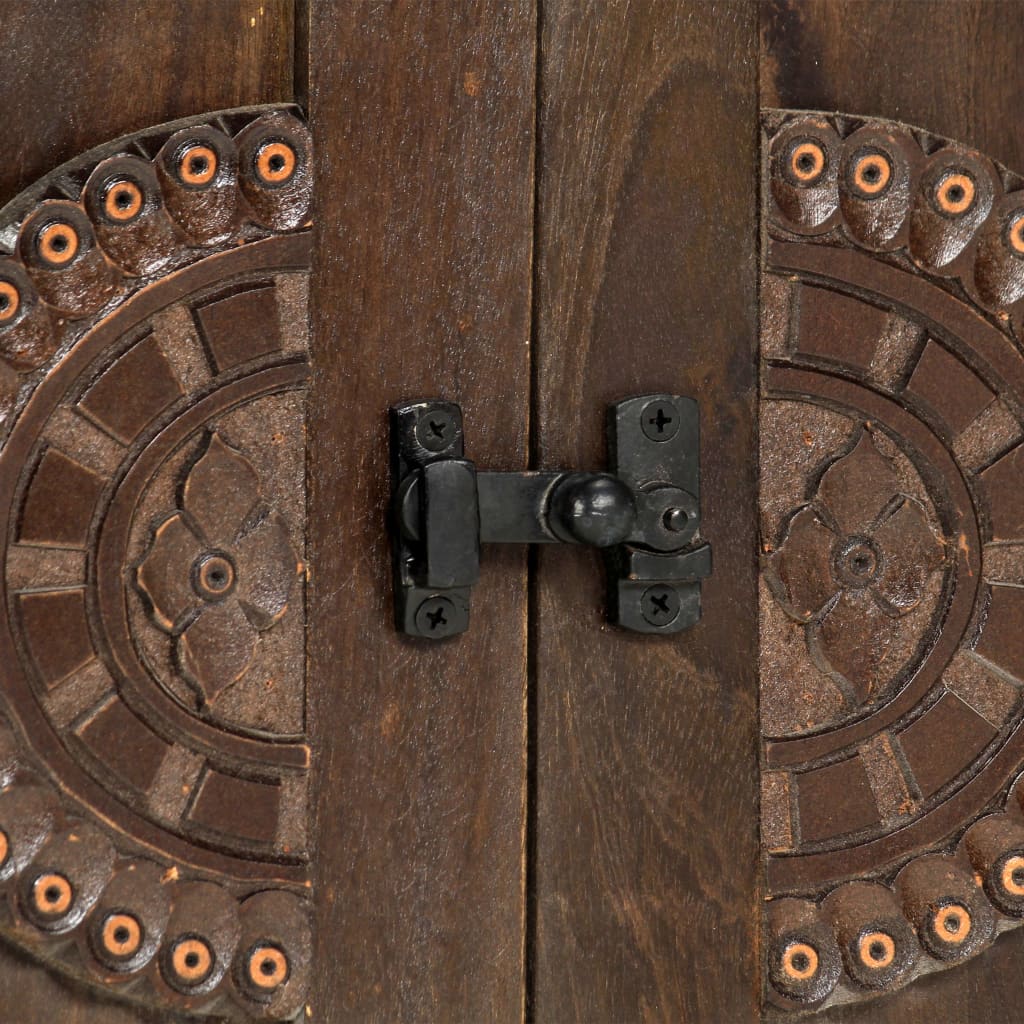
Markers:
point(644, 513)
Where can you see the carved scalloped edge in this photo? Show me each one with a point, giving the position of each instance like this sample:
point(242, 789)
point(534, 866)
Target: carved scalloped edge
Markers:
point(65, 891)
point(976, 254)
point(976, 885)
point(865, 938)
point(180, 220)
point(259, 941)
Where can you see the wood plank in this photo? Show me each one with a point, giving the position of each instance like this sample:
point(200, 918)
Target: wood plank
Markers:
point(646, 762)
point(986, 990)
point(79, 74)
point(41, 997)
point(953, 68)
point(423, 116)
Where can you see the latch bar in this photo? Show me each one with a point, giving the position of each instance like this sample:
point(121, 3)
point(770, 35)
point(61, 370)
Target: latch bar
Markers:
point(645, 515)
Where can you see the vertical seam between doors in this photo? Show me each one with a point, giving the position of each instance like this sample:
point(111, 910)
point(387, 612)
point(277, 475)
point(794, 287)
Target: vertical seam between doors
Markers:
point(530, 909)
point(759, 877)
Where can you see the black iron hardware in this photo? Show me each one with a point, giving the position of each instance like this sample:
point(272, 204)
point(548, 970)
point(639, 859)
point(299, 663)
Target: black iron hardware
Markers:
point(644, 513)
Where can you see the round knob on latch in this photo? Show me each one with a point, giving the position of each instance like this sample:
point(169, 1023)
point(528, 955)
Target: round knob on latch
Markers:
point(592, 508)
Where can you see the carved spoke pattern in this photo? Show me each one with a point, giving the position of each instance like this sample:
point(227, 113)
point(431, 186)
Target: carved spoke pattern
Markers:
point(892, 602)
point(153, 348)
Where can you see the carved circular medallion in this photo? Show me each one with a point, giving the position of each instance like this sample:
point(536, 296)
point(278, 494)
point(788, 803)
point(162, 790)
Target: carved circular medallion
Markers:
point(153, 347)
point(172, 558)
point(892, 470)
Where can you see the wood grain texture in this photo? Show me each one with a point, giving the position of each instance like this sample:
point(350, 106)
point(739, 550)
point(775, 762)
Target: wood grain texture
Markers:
point(987, 990)
point(646, 845)
point(953, 68)
point(78, 74)
point(424, 116)
point(38, 996)
point(950, 66)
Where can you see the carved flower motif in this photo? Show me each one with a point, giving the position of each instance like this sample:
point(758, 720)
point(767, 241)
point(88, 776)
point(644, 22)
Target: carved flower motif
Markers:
point(219, 571)
point(854, 562)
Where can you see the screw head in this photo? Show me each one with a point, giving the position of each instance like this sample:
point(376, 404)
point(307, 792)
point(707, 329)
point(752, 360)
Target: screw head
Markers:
point(660, 420)
point(659, 604)
point(437, 618)
point(435, 430)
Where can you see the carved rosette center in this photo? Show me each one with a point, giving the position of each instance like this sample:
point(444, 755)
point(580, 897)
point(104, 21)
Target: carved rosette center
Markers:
point(213, 576)
point(852, 564)
point(219, 571)
point(857, 561)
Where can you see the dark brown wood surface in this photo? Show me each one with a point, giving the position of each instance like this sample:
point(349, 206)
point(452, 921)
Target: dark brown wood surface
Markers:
point(638, 274)
point(79, 74)
point(75, 76)
point(645, 748)
point(424, 120)
point(38, 996)
point(985, 991)
point(952, 68)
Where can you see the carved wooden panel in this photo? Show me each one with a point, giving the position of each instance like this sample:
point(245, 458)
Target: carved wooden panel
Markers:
point(153, 361)
point(892, 533)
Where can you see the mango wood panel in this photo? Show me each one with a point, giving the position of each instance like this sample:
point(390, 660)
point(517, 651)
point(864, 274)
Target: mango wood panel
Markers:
point(77, 75)
point(425, 116)
point(645, 877)
point(952, 68)
point(985, 991)
point(42, 996)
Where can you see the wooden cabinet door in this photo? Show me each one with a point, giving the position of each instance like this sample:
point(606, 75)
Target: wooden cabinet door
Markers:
point(236, 233)
point(155, 842)
point(890, 340)
point(215, 743)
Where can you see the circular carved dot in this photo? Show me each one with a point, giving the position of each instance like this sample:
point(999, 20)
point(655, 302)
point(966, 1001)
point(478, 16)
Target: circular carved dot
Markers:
point(5, 847)
point(52, 894)
point(1015, 234)
point(800, 961)
point(876, 949)
point(872, 173)
point(191, 960)
point(952, 923)
point(121, 935)
point(807, 162)
point(197, 165)
point(955, 193)
point(857, 561)
point(275, 163)
point(267, 967)
point(57, 243)
point(10, 300)
point(214, 576)
point(122, 201)
point(1012, 875)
